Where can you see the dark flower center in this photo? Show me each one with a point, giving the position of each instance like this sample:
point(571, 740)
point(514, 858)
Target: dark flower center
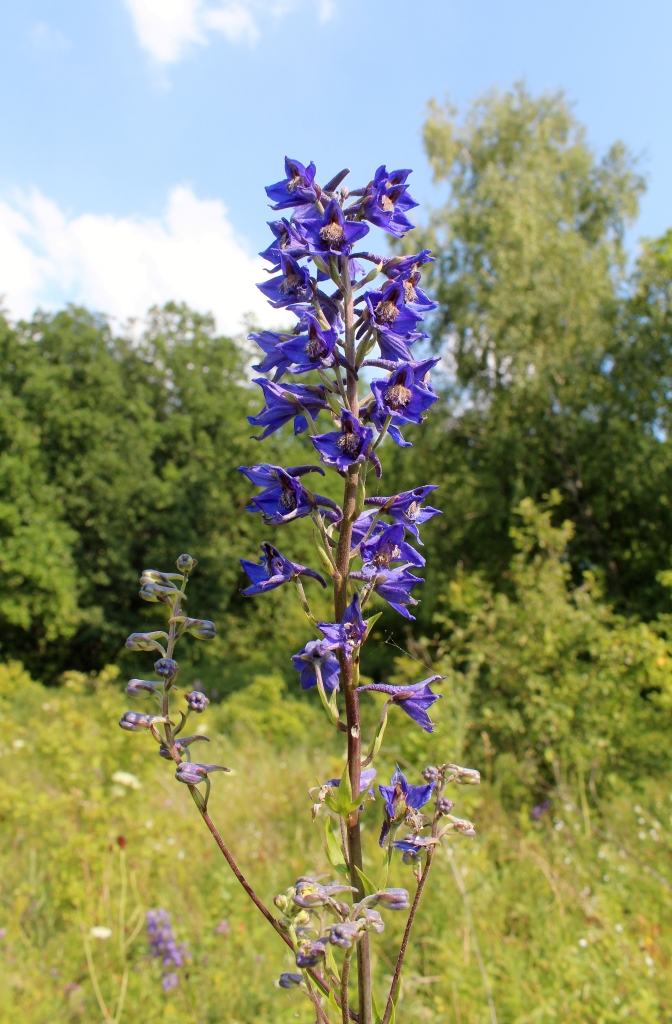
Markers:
point(295, 180)
point(387, 553)
point(288, 498)
point(410, 294)
point(412, 510)
point(290, 283)
point(332, 233)
point(350, 444)
point(386, 312)
point(275, 567)
point(398, 396)
point(351, 632)
point(386, 204)
point(315, 346)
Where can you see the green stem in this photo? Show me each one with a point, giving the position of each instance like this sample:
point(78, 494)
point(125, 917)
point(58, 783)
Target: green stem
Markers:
point(345, 976)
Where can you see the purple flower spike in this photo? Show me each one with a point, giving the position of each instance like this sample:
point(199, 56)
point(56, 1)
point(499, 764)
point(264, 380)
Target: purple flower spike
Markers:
point(343, 448)
point(273, 570)
point(331, 234)
point(414, 699)
point(269, 342)
point(317, 652)
point(286, 402)
point(134, 721)
point(292, 285)
point(348, 634)
point(163, 946)
point(297, 188)
point(310, 954)
point(406, 508)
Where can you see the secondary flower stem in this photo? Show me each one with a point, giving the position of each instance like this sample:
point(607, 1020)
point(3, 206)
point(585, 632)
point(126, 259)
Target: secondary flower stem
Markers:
point(344, 986)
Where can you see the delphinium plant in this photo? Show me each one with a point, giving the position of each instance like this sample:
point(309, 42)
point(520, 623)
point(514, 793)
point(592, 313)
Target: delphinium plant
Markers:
point(358, 315)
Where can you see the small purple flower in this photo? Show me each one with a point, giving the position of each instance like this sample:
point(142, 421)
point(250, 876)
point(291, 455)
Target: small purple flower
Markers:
point(332, 234)
point(387, 200)
point(346, 934)
point(310, 954)
point(297, 188)
point(145, 641)
point(413, 846)
point(347, 446)
point(540, 810)
point(273, 570)
point(393, 899)
point(191, 773)
point(312, 350)
point(269, 342)
point(284, 497)
point(350, 633)
point(444, 805)
point(139, 687)
point(414, 698)
point(400, 796)
point(387, 546)
point(167, 668)
point(373, 922)
point(406, 508)
point(288, 241)
point(182, 743)
point(406, 395)
point(294, 284)
point(310, 893)
point(163, 946)
point(196, 701)
point(393, 585)
point(317, 652)
point(393, 320)
point(285, 402)
point(365, 779)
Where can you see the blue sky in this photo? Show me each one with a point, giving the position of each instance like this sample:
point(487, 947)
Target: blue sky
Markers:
point(137, 135)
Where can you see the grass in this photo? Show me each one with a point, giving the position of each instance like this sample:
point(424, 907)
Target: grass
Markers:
point(570, 914)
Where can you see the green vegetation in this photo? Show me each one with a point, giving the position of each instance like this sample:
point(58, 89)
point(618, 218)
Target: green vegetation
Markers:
point(547, 608)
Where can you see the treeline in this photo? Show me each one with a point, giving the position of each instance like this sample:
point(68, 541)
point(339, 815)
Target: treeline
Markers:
point(118, 453)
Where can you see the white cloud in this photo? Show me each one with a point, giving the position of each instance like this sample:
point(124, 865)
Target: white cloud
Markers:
point(166, 28)
point(123, 265)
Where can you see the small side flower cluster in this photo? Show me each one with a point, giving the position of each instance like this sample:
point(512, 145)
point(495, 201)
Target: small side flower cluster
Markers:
point(355, 311)
point(163, 946)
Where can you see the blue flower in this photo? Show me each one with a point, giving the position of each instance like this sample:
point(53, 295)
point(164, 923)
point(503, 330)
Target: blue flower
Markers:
point(393, 585)
point(317, 652)
point(414, 699)
point(332, 234)
point(350, 632)
point(289, 241)
point(406, 508)
point(387, 200)
point(393, 320)
point(407, 269)
point(273, 570)
point(413, 846)
point(294, 284)
point(284, 497)
point(405, 395)
point(400, 797)
point(312, 350)
point(343, 448)
point(365, 779)
point(297, 188)
point(274, 359)
point(285, 402)
point(387, 546)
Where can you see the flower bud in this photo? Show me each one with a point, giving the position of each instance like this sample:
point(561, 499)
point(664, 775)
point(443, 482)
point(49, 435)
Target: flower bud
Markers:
point(167, 668)
point(431, 774)
point(202, 629)
point(186, 563)
point(154, 592)
point(346, 934)
point(154, 576)
point(196, 701)
point(444, 805)
point(139, 687)
point(288, 980)
point(464, 827)
point(281, 902)
point(133, 721)
point(463, 776)
point(393, 899)
point(145, 641)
